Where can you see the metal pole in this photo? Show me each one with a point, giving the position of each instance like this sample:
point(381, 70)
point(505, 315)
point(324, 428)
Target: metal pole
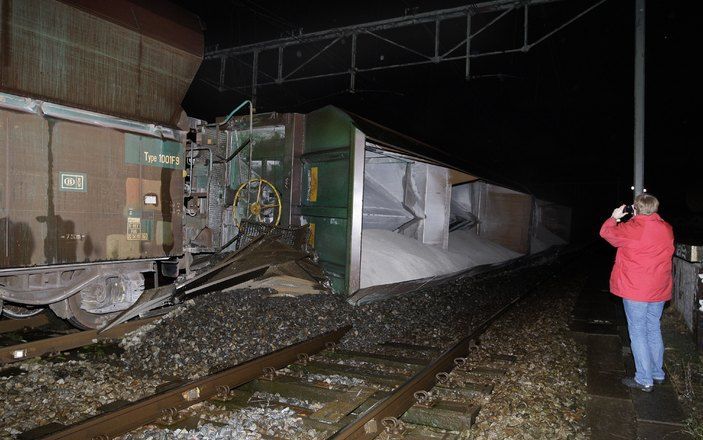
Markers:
point(352, 70)
point(279, 79)
point(254, 77)
point(436, 41)
point(525, 36)
point(467, 73)
point(223, 66)
point(639, 96)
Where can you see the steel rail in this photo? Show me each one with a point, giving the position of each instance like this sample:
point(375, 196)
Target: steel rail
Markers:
point(368, 425)
point(11, 325)
point(26, 350)
point(150, 409)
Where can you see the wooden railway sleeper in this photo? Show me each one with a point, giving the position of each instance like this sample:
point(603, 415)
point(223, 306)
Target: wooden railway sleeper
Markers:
point(399, 402)
point(163, 406)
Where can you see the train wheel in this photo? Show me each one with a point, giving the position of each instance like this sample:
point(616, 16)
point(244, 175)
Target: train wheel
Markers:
point(85, 320)
point(263, 203)
point(16, 311)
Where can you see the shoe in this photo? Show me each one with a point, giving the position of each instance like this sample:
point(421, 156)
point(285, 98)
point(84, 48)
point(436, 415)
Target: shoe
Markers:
point(632, 383)
point(658, 381)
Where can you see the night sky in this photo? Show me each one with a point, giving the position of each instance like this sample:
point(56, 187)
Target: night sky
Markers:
point(556, 121)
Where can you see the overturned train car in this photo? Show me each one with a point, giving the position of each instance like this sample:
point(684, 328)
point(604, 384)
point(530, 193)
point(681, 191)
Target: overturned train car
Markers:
point(383, 216)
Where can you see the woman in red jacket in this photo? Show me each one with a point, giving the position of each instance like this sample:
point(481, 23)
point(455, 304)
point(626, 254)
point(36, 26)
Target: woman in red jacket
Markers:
point(642, 277)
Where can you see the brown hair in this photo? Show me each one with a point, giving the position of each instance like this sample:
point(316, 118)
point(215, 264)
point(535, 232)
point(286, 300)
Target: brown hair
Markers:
point(646, 204)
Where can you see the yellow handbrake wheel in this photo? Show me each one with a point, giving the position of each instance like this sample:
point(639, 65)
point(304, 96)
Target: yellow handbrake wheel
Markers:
point(263, 203)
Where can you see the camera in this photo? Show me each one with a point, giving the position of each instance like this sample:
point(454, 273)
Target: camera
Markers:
point(629, 209)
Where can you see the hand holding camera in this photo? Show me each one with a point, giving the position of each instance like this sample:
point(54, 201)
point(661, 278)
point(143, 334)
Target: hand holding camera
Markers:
point(623, 210)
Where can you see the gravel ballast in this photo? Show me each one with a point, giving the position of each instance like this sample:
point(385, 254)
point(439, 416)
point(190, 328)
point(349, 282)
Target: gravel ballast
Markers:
point(543, 395)
point(41, 392)
point(221, 329)
point(226, 328)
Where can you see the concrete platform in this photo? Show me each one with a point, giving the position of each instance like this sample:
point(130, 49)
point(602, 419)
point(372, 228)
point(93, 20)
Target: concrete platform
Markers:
point(615, 411)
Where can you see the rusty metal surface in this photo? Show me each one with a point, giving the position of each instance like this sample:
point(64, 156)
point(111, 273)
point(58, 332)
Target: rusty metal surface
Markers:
point(51, 285)
point(294, 236)
point(150, 408)
point(11, 325)
point(262, 247)
point(149, 300)
point(505, 217)
point(99, 213)
point(32, 349)
point(265, 251)
point(115, 57)
point(159, 19)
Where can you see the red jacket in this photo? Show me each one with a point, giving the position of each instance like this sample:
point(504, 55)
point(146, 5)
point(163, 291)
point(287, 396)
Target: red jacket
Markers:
point(642, 270)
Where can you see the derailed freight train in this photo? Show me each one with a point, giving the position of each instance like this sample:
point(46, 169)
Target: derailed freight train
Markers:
point(108, 190)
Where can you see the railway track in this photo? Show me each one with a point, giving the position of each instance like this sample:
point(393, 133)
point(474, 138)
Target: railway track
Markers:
point(11, 325)
point(72, 338)
point(392, 391)
point(165, 405)
point(437, 401)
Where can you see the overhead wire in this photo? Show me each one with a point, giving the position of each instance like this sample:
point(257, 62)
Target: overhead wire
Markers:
point(281, 23)
point(265, 14)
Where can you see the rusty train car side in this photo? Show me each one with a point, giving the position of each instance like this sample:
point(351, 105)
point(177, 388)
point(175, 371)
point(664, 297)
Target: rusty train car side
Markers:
point(91, 161)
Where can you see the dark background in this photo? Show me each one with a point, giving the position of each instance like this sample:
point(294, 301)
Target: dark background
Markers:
point(556, 121)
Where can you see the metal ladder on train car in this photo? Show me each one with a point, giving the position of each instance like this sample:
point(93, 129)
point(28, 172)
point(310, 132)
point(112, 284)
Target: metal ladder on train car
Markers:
point(260, 200)
point(256, 200)
point(208, 178)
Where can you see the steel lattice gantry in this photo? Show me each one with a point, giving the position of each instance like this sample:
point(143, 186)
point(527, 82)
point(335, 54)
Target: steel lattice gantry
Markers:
point(491, 12)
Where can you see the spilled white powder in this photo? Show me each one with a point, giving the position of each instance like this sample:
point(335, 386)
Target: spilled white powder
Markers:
point(388, 257)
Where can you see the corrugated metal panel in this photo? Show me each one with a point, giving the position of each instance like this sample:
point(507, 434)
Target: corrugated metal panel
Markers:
point(505, 217)
point(157, 19)
point(83, 58)
point(73, 192)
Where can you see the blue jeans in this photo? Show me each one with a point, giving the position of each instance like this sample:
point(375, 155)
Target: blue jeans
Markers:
point(646, 339)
